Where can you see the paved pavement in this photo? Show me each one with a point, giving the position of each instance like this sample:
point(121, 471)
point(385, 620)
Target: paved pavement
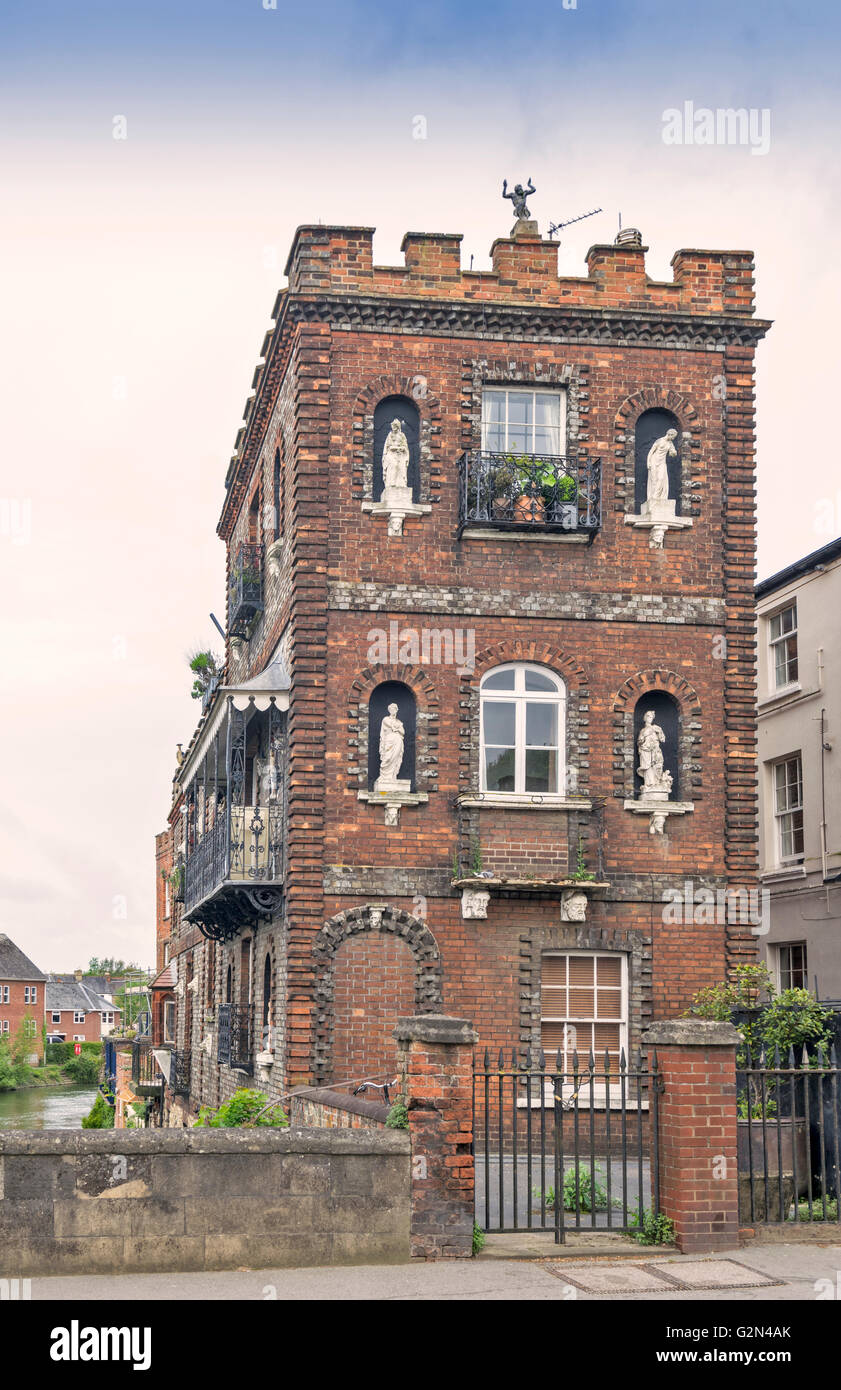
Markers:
point(797, 1273)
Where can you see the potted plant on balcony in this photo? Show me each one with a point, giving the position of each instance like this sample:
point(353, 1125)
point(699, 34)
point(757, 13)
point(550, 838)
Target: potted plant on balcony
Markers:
point(205, 666)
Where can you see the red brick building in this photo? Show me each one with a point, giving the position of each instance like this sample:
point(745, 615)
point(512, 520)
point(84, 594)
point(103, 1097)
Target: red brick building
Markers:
point(21, 996)
point(75, 1012)
point(536, 566)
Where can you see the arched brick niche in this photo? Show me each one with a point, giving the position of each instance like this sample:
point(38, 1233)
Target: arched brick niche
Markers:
point(426, 721)
point(578, 823)
point(415, 388)
point(685, 420)
point(690, 771)
point(362, 954)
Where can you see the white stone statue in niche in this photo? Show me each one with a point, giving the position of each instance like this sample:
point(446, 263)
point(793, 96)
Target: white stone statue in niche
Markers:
point(656, 781)
point(392, 743)
point(661, 451)
point(658, 513)
point(396, 464)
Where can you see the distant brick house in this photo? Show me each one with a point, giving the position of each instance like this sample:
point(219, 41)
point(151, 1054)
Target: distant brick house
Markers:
point(21, 994)
point(76, 1013)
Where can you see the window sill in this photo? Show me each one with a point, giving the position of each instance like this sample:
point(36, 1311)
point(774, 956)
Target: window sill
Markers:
point(488, 533)
point(784, 874)
point(548, 1103)
point(527, 801)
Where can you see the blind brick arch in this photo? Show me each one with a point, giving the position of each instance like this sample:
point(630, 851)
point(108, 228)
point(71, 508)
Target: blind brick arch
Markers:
point(370, 922)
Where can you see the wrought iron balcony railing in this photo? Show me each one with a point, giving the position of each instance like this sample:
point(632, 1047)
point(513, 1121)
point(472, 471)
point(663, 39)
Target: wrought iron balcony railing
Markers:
point(234, 828)
point(235, 1037)
point(180, 1072)
point(146, 1075)
point(520, 492)
point(246, 587)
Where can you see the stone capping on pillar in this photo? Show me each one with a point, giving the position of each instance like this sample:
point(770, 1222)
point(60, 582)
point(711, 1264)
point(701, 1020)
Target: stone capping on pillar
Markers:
point(692, 1032)
point(436, 1028)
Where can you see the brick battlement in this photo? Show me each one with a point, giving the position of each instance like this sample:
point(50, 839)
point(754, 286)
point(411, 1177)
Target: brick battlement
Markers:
point(525, 268)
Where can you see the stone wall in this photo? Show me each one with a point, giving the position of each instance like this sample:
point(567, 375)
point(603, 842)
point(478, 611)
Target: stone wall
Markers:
point(333, 1110)
point(163, 1200)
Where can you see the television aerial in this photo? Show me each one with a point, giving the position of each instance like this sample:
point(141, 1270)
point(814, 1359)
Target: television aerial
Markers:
point(555, 227)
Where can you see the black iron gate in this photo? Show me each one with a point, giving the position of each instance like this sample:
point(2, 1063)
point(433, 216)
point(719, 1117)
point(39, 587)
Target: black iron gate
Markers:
point(789, 1137)
point(565, 1146)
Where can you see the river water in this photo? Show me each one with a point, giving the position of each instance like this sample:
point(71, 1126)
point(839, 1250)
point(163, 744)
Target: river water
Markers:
point(46, 1107)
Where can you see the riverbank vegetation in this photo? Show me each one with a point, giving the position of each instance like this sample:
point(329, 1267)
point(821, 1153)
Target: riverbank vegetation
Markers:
point(61, 1065)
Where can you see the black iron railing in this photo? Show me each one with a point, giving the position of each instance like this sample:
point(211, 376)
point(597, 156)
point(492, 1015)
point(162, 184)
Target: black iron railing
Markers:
point(524, 491)
point(562, 1145)
point(145, 1072)
point(246, 587)
point(789, 1136)
point(235, 1038)
point(179, 1076)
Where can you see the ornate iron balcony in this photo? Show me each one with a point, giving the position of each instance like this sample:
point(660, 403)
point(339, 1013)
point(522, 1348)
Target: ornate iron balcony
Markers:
point(146, 1075)
point(235, 1038)
point(523, 492)
point(181, 1072)
point(235, 808)
point(246, 588)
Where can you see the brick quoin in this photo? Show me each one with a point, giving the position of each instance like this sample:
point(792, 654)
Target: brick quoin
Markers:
point(615, 619)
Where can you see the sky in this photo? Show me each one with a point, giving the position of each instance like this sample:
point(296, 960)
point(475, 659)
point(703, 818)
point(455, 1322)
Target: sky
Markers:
point(156, 159)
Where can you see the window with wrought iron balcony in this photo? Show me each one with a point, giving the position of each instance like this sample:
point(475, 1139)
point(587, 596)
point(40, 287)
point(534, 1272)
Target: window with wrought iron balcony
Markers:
point(234, 782)
point(245, 597)
point(521, 480)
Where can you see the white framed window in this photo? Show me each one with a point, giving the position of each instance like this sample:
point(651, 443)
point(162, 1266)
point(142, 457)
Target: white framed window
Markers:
point(167, 907)
point(791, 966)
point(31, 1026)
point(788, 809)
point(523, 420)
point(584, 1009)
point(78, 1016)
point(169, 1020)
point(522, 717)
point(4, 1025)
point(30, 994)
point(4, 989)
point(782, 647)
point(56, 1018)
point(107, 1017)
point(79, 1037)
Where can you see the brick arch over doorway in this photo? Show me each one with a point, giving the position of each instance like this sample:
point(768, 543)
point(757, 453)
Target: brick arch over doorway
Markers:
point(374, 964)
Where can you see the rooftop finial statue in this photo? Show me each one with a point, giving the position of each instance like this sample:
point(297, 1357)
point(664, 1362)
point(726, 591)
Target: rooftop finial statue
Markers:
point(518, 198)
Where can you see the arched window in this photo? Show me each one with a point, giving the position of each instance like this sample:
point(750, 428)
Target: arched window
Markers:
point(402, 409)
point(651, 425)
point(522, 720)
point(666, 718)
point(268, 1004)
point(392, 693)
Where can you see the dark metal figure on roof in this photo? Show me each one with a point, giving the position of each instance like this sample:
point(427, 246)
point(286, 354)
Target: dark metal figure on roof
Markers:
point(518, 198)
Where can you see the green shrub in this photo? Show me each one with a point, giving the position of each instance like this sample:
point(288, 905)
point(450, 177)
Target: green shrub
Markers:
point(651, 1229)
point(59, 1052)
point(478, 1238)
point(245, 1109)
point(398, 1116)
point(101, 1115)
point(82, 1069)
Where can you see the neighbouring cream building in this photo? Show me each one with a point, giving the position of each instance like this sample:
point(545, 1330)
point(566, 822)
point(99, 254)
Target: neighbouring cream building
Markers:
point(798, 615)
